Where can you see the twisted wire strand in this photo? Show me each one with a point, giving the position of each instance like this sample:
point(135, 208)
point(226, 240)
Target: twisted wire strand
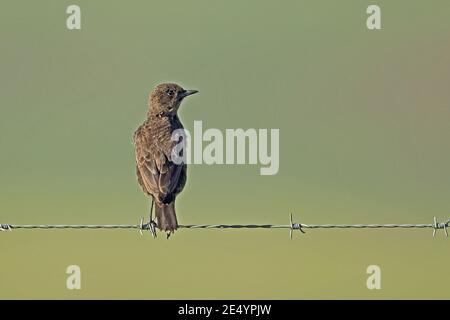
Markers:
point(311, 226)
point(70, 226)
point(292, 226)
point(218, 226)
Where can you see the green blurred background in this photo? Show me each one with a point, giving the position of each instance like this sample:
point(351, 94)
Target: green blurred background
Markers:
point(364, 121)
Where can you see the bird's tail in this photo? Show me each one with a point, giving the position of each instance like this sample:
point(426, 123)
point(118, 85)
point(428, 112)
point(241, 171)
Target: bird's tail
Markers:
point(166, 217)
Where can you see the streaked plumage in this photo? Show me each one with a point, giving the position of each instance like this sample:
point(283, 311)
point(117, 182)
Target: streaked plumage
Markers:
point(158, 176)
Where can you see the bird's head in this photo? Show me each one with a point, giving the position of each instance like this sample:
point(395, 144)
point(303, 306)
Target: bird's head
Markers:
point(165, 98)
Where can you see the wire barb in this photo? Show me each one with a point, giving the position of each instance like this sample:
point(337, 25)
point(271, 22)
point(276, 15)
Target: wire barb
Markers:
point(437, 225)
point(151, 226)
point(5, 227)
point(294, 226)
point(141, 227)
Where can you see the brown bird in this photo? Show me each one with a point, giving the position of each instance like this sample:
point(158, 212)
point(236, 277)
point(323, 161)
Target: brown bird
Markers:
point(159, 176)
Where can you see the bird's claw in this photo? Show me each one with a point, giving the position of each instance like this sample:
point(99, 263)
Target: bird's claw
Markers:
point(152, 227)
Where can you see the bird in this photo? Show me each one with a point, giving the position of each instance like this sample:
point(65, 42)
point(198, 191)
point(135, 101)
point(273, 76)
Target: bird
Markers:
point(159, 176)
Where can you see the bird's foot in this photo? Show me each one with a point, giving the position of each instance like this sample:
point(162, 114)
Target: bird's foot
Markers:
point(152, 227)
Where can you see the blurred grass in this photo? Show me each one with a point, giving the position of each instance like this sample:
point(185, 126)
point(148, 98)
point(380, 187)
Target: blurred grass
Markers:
point(255, 264)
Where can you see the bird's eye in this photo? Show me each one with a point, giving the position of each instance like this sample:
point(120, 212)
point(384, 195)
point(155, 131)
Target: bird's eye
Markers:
point(169, 92)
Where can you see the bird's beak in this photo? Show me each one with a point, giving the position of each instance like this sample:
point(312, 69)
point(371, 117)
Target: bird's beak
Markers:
point(188, 93)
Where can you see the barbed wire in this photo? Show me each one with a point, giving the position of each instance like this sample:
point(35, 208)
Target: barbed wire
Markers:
point(151, 226)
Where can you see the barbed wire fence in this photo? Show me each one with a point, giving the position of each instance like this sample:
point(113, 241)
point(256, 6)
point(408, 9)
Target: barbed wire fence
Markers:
point(151, 226)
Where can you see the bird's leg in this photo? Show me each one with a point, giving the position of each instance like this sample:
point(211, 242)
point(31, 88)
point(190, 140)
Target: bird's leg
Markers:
point(151, 223)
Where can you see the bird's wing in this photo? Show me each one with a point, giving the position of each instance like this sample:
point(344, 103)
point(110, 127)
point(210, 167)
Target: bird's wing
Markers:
point(158, 174)
point(147, 173)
